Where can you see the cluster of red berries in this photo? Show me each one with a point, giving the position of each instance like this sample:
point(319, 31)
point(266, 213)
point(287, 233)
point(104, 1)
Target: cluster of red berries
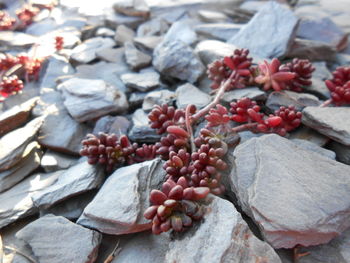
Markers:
point(339, 86)
point(10, 85)
point(176, 206)
point(6, 21)
point(26, 15)
point(163, 116)
point(59, 42)
point(239, 72)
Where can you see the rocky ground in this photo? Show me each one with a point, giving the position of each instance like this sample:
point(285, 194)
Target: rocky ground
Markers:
point(120, 58)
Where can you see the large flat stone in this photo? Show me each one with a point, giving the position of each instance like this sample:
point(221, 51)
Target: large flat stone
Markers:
point(30, 161)
point(16, 203)
point(189, 94)
point(332, 122)
point(269, 33)
point(56, 239)
point(291, 199)
point(87, 99)
point(119, 206)
point(291, 98)
point(78, 179)
point(13, 144)
point(16, 116)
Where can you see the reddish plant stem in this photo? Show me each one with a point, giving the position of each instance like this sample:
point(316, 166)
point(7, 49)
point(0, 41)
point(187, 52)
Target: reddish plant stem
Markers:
point(216, 100)
point(326, 103)
point(189, 126)
point(244, 127)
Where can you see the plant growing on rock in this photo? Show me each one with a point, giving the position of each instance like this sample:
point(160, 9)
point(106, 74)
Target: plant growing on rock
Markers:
point(339, 86)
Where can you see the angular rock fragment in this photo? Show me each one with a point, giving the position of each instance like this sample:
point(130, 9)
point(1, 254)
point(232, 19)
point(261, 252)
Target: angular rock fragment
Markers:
point(182, 31)
point(141, 81)
point(307, 145)
point(269, 33)
point(332, 122)
point(148, 43)
point(273, 177)
point(189, 94)
point(87, 99)
point(123, 34)
point(56, 239)
point(132, 7)
point(78, 179)
point(210, 16)
point(219, 31)
point(157, 97)
point(13, 144)
point(16, 116)
point(86, 52)
point(54, 161)
point(16, 203)
point(114, 55)
point(119, 206)
point(211, 50)
point(112, 124)
point(251, 93)
point(135, 58)
point(15, 39)
point(342, 151)
point(30, 161)
point(291, 98)
point(153, 27)
point(178, 60)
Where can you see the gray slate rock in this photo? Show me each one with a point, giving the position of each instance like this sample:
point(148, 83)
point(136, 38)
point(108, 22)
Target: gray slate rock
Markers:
point(182, 31)
point(114, 55)
point(219, 31)
point(227, 239)
point(282, 179)
point(211, 16)
point(210, 50)
point(112, 124)
point(158, 97)
point(61, 133)
point(312, 50)
point(104, 32)
point(56, 239)
point(136, 99)
point(16, 116)
point(123, 34)
point(308, 134)
point(30, 161)
point(141, 81)
point(119, 206)
point(332, 122)
point(15, 39)
point(307, 145)
point(54, 161)
point(178, 60)
point(132, 7)
point(269, 33)
point(189, 94)
point(148, 43)
point(13, 144)
point(338, 250)
point(342, 151)
point(135, 58)
point(78, 179)
point(251, 93)
point(16, 203)
point(153, 27)
point(291, 98)
point(87, 99)
point(141, 131)
point(86, 52)
point(113, 19)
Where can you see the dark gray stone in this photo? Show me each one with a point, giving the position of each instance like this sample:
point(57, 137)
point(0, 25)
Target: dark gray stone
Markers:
point(158, 97)
point(16, 203)
point(178, 60)
point(251, 93)
point(332, 122)
point(141, 81)
point(291, 98)
point(342, 151)
point(13, 144)
point(78, 179)
point(282, 179)
point(119, 206)
point(30, 161)
point(87, 99)
point(56, 239)
point(269, 33)
point(112, 124)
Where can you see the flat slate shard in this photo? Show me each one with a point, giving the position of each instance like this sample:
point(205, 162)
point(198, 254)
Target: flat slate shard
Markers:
point(16, 116)
point(55, 239)
point(269, 33)
point(30, 161)
point(273, 177)
point(119, 206)
point(13, 144)
point(16, 203)
point(189, 94)
point(176, 59)
point(87, 99)
point(78, 179)
point(329, 121)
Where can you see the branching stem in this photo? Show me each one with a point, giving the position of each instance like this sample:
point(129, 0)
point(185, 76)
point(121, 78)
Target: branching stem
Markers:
point(244, 127)
point(189, 126)
point(326, 103)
